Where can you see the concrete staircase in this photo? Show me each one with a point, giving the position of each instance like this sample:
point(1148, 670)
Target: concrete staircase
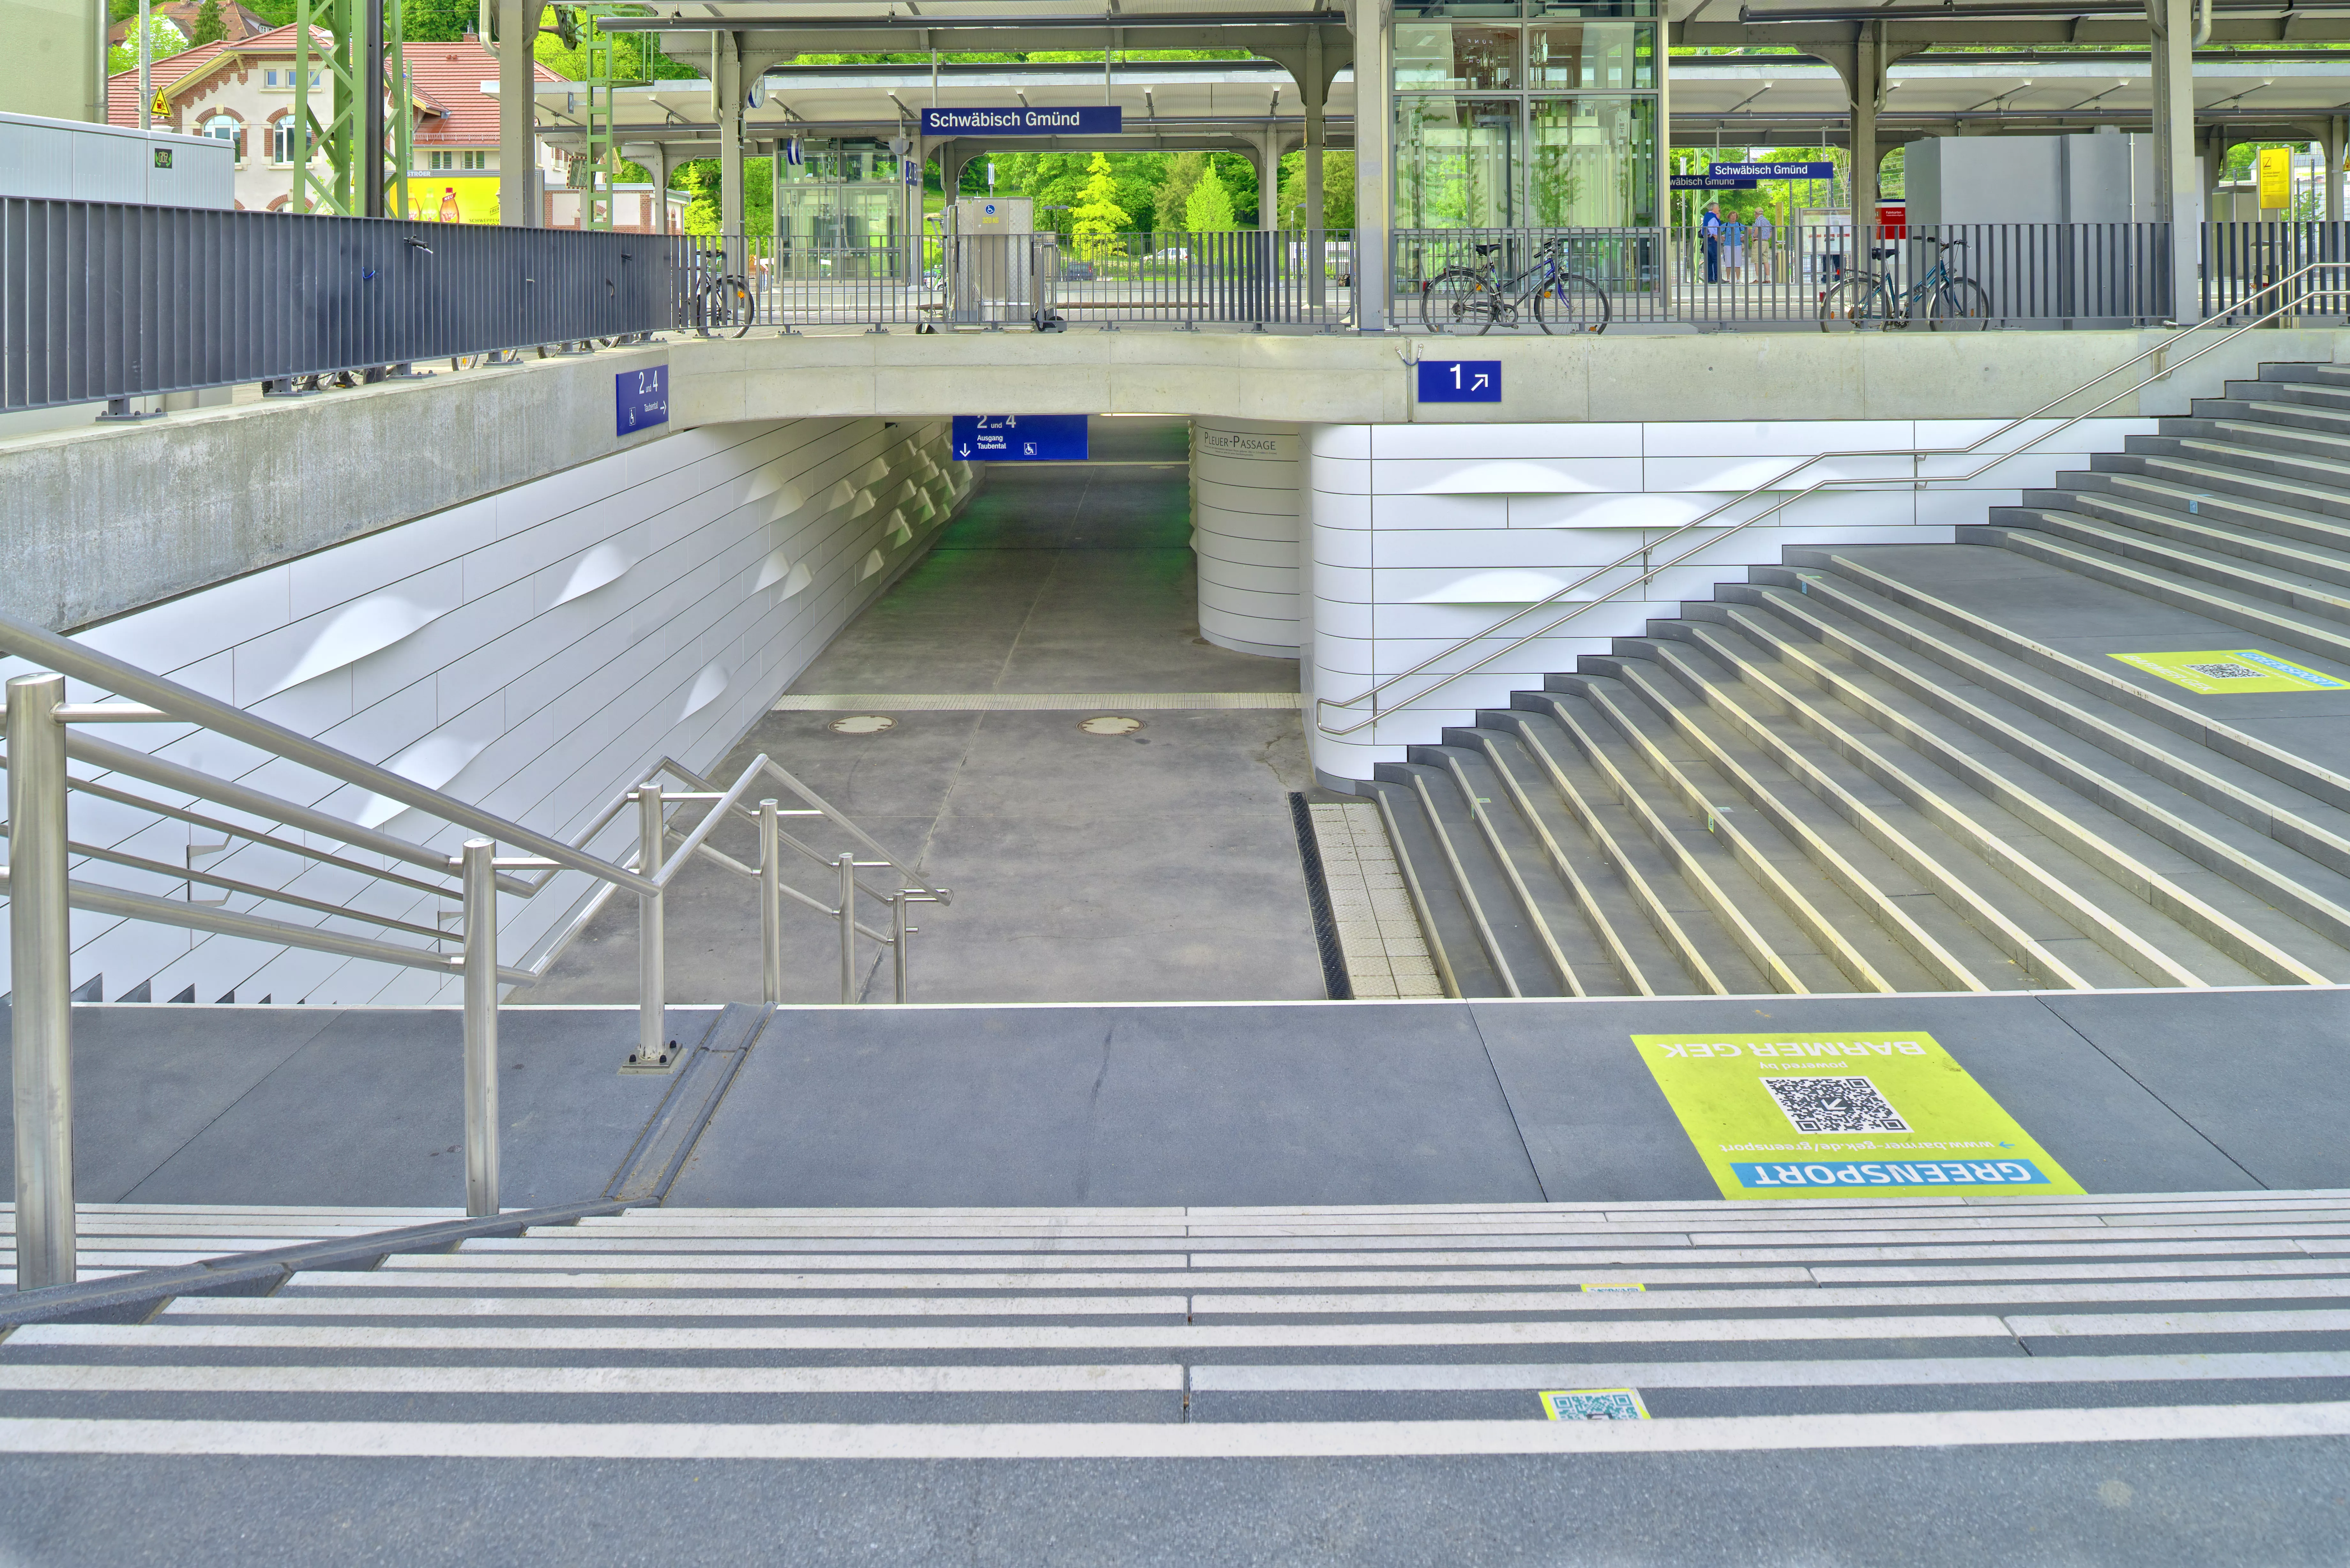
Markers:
point(1914, 768)
point(1036, 1333)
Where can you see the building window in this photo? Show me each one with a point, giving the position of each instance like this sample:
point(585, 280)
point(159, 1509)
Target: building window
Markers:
point(476, 160)
point(280, 140)
point(269, 78)
point(224, 127)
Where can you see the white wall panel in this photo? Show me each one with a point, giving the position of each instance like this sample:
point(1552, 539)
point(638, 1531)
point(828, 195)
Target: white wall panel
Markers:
point(1421, 535)
point(462, 664)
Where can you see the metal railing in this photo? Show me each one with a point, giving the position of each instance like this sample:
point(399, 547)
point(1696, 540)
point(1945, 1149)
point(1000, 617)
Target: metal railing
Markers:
point(45, 733)
point(2241, 260)
point(1238, 277)
point(101, 302)
point(2292, 290)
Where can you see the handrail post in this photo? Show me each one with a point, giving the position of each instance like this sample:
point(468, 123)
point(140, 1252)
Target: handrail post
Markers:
point(652, 980)
point(848, 864)
point(771, 903)
point(40, 946)
point(897, 929)
point(480, 881)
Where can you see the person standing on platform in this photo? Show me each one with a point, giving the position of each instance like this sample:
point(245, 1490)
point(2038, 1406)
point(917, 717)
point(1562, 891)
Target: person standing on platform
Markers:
point(1709, 230)
point(1733, 248)
point(1761, 237)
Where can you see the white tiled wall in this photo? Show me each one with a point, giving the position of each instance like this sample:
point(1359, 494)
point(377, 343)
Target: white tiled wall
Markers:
point(1419, 536)
point(531, 652)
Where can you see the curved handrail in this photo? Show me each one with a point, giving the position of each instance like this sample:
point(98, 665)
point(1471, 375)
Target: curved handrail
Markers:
point(1646, 550)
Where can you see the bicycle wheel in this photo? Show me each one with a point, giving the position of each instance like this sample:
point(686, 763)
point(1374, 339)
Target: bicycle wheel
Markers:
point(1959, 306)
point(1572, 304)
point(1855, 304)
point(1456, 300)
point(738, 306)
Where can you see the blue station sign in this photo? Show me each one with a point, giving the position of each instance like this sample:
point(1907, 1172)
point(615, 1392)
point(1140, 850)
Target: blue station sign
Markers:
point(1775, 170)
point(1083, 120)
point(1460, 380)
point(1710, 182)
point(1020, 437)
point(640, 398)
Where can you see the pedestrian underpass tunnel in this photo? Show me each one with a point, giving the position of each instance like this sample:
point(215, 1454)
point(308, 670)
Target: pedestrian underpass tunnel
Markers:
point(1036, 709)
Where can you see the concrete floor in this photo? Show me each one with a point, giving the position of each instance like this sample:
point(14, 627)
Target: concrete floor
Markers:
point(1158, 866)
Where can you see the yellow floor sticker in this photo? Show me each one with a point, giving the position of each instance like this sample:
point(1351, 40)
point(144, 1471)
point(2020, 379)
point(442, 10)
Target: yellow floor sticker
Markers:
point(1843, 1115)
point(1594, 1405)
point(2222, 671)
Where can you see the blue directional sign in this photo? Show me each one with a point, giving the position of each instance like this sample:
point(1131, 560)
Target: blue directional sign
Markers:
point(1775, 170)
point(1710, 182)
point(640, 398)
point(1460, 380)
point(1020, 437)
point(1081, 119)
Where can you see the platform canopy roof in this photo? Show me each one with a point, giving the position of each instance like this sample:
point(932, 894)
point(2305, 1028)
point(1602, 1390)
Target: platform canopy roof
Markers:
point(1168, 105)
point(1766, 100)
point(2117, 23)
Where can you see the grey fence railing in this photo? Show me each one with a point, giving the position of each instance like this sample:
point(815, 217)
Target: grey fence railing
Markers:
point(1237, 277)
point(2243, 261)
point(100, 302)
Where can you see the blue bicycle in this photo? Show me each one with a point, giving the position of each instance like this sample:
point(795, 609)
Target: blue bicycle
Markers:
point(1947, 302)
point(1477, 298)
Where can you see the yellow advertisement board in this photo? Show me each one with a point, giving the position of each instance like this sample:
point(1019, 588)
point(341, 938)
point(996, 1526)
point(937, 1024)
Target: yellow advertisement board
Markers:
point(2276, 178)
point(1843, 1115)
point(2219, 672)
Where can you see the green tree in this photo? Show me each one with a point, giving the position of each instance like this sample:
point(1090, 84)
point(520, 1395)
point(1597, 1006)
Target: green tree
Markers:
point(210, 27)
point(1209, 208)
point(162, 39)
point(1097, 216)
point(700, 176)
point(1338, 192)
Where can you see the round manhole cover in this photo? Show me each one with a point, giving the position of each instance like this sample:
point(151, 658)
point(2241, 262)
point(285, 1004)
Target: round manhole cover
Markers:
point(1110, 724)
point(863, 725)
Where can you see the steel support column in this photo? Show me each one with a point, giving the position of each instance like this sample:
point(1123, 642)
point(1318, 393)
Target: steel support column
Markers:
point(371, 109)
point(2177, 182)
point(1867, 89)
point(1268, 180)
point(728, 90)
point(1373, 161)
point(2332, 142)
point(1315, 89)
point(518, 203)
point(40, 951)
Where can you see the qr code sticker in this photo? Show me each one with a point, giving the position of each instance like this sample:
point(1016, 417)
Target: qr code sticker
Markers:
point(2227, 672)
point(1834, 1105)
point(1594, 1405)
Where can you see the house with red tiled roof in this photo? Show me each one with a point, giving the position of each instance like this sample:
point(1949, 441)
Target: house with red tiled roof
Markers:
point(241, 92)
point(238, 22)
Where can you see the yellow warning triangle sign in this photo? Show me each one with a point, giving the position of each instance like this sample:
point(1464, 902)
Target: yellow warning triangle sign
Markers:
point(159, 108)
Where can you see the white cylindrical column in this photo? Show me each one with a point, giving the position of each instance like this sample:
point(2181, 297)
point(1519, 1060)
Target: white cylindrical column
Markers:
point(1245, 533)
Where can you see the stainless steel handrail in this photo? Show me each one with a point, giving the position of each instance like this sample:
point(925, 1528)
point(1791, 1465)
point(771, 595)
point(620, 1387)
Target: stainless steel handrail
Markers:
point(44, 733)
point(2165, 370)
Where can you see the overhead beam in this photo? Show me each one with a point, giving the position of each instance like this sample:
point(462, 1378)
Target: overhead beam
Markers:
point(2130, 31)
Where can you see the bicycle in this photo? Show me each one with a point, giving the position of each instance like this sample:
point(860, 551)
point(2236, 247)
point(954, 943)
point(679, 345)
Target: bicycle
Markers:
point(721, 299)
point(1478, 298)
point(1951, 303)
